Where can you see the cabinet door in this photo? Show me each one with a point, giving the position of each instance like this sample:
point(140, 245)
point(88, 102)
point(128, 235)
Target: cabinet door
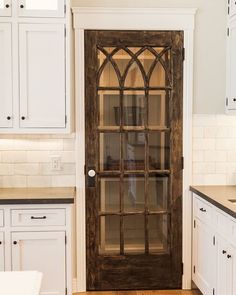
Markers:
point(5, 7)
point(231, 271)
point(203, 257)
point(42, 75)
point(222, 281)
point(42, 8)
point(231, 66)
point(44, 252)
point(5, 76)
point(232, 7)
point(2, 266)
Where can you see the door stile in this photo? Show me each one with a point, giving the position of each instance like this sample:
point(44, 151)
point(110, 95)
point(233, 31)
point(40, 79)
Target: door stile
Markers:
point(122, 170)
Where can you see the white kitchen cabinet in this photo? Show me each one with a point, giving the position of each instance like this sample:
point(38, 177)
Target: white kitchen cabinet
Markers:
point(2, 259)
point(42, 75)
point(203, 259)
point(36, 77)
point(231, 8)
point(44, 252)
point(5, 76)
point(42, 8)
point(5, 8)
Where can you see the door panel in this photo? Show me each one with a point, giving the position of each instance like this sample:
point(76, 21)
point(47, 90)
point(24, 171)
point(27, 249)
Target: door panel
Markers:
point(44, 252)
point(2, 256)
point(134, 144)
point(6, 98)
point(42, 8)
point(42, 75)
point(5, 8)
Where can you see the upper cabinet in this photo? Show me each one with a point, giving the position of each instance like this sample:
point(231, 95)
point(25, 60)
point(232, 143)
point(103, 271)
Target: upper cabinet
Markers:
point(36, 66)
point(5, 8)
point(41, 8)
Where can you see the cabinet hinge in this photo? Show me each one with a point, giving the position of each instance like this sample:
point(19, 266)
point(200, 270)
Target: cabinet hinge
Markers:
point(194, 224)
point(182, 163)
point(182, 268)
point(213, 291)
point(228, 9)
point(65, 239)
point(65, 8)
point(65, 119)
point(227, 101)
point(183, 53)
point(214, 240)
point(194, 269)
point(227, 31)
point(65, 31)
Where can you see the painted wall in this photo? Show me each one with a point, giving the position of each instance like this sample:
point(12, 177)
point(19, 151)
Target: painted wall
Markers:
point(210, 46)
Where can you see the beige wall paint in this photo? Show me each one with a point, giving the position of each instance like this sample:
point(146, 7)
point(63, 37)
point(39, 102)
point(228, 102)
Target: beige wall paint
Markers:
point(210, 46)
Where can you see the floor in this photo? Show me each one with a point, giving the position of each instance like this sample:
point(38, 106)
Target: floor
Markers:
point(170, 292)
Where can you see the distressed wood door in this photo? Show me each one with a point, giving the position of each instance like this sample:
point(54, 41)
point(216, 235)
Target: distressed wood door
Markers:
point(134, 90)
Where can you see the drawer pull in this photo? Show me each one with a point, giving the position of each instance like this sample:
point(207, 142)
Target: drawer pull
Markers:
point(15, 242)
point(0, 242)
point(224, 252)
point(38, 217)
point(203, 210)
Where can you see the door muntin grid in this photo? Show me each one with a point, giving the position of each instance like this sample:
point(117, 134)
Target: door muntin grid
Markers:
point(134, 88)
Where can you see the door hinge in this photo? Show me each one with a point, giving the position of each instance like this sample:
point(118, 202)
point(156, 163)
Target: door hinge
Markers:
point(214, 240)
point(194, 269)
point(194, 223)
point(65, 239)
point(65, 8)
point(227, 101)
point(227, 31)
point(182, 268)
point(183, 53)
point(182, 163)
point(228, 9)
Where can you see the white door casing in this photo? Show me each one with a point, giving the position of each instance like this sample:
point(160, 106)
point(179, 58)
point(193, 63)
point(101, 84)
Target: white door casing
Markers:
point(93, 18)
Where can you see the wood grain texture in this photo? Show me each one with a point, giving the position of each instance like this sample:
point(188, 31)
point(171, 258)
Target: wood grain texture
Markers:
point(162, 292)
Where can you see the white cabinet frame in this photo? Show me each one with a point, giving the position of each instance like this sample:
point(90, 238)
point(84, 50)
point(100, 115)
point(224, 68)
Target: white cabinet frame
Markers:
point(6, 10)
point(2, 246)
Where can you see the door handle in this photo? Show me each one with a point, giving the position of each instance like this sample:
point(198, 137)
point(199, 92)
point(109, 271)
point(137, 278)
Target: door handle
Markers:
point(38, 217)
point(91, 177)
point(202, 209)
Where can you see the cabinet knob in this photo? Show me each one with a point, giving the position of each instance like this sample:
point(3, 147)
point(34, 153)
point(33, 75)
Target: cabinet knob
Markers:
point(7, 5)
point(234, 99)
point(202, 209)
point(8, 118)
point(15, 242)
point(0, 242)
point(23, 118)
point(229, 256)
point(21, 6)
point(224, 252)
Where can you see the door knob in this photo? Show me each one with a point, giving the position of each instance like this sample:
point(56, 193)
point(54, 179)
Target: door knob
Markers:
point(91, 173)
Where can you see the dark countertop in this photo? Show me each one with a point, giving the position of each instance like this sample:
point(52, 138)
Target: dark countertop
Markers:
point(219, 196)
point(52, 195)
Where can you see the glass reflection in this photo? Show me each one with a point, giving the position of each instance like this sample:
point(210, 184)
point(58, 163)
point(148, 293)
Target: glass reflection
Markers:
point(134, 151)
point(109, 151)
point(134, 193)
point(110, 194)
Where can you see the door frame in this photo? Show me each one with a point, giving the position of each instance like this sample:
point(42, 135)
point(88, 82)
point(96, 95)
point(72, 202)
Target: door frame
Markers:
point(94, 18)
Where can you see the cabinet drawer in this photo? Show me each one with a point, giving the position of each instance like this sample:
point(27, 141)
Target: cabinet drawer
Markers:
point(38, 217)
point(1, 218)
point(224, 224)
point(202, 210)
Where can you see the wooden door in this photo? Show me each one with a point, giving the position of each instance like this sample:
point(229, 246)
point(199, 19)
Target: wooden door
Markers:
point(42, 8)
point(6, 99)
point(5, 7)
point(44, 252)
point(42, 75)
point(134, 159)
point(2, 255)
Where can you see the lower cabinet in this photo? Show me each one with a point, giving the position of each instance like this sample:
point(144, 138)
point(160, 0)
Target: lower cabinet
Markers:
point(42, 251)
point(204, 264)
point(2, 242)
point(214, 249)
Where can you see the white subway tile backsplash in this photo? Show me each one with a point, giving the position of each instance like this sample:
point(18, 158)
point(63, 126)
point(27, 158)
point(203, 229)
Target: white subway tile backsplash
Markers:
point(205, 144)
point(14, 157)
point(14, 181)
point(38, 156)
point(39, 181)
point(63, 180)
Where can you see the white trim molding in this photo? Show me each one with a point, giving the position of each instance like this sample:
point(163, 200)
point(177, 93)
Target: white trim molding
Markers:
point(93, 18)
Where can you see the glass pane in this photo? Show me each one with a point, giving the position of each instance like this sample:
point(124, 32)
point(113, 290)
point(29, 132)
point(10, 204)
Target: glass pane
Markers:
point(109, 151)
point(108, 76)
point(158, 193)
point(122, 59)
point(133, 111)
point(109, 235)
point(159, 151)
point(41, 5)
point(146, 58)
point(109, 109)
point(134, 234)
point(134, 76)
point(158, 231)
point(110, 194)
point(1, 4)
point(134, 193)
point(158, 109)
point(158, 77)
point(134, 151)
